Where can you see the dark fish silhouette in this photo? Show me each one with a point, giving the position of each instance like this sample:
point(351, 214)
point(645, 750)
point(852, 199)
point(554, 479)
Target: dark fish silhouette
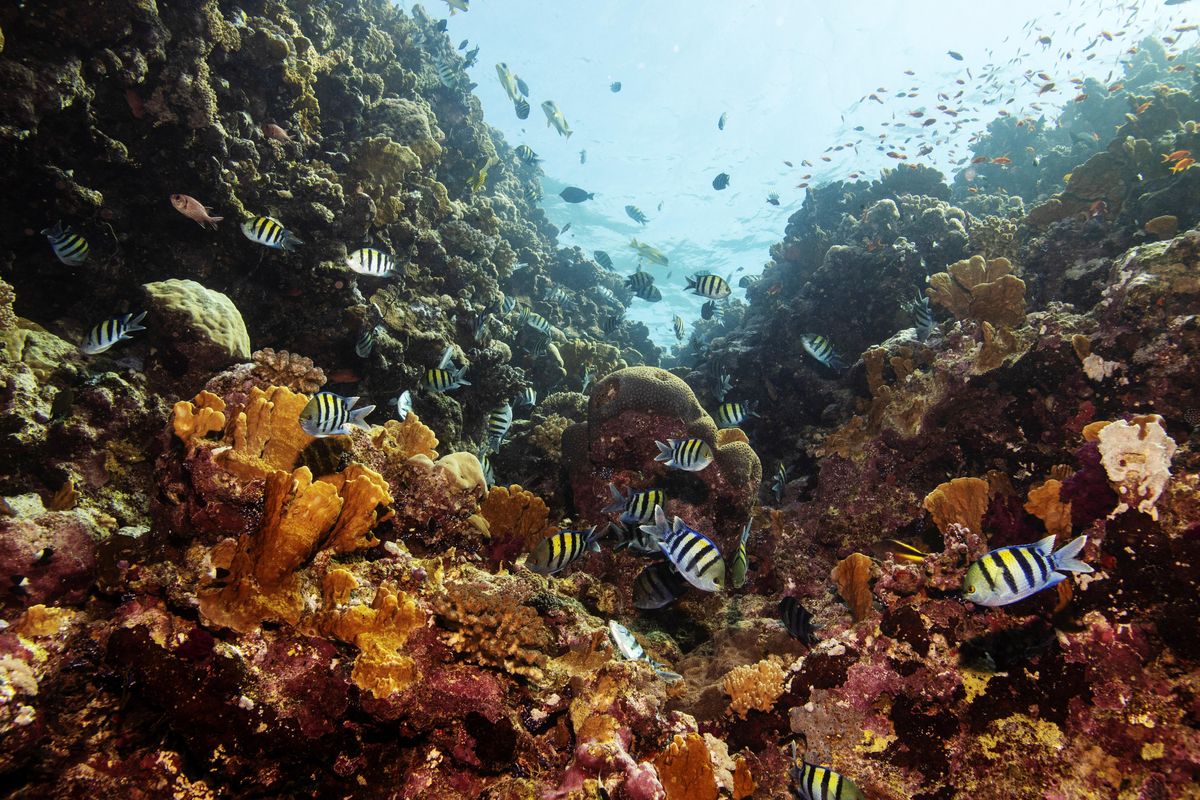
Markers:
point(615, 86)
point(721, 181)
point(573, 194)
point(798, 620)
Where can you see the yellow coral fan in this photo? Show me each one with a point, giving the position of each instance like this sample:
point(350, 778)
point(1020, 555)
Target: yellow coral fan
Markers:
point(400, 441)
point(755, 686)
point(727, 435)
point(1045, 504)
point(194, 420)
point(962, 500)
point(853, 578)
point(364, 491)
point(982, 290)
point(685, 769)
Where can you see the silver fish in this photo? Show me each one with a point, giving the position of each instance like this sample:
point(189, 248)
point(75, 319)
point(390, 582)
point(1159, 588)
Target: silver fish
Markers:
point(116, 329)
point(329, 414)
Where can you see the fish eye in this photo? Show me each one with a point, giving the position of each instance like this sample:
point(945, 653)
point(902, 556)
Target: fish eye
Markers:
point(970, 588)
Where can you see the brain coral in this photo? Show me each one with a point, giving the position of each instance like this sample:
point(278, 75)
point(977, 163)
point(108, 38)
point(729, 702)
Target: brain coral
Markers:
point(204, 326)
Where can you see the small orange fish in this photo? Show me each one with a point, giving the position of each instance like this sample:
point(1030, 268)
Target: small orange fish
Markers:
point(1097, 209)
point(1079, 98)
point(894, 154)
point(1002, 160)
point(273, 131)
point(774, 289)
point(344, 376)
point(193, 209)
point(973, 190)
point(979, 159)
point(1046, 88)
point(1116, 87)
point(1142, 107)
point(1182, 164)
point(1178, 154)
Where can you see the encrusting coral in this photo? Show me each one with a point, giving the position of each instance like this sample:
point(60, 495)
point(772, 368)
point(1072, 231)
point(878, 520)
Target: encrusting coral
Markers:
point(1137, 457)
point(852, 576)
point(517, 520)
point(754, 686)
point(685, 769)
point(281, 368)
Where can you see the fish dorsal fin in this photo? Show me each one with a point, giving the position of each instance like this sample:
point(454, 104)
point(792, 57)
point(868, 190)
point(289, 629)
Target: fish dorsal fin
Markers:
point(1046, 546)
point(447, 357)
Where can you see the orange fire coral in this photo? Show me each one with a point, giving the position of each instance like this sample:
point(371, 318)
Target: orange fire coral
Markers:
point(685, 769)
point(194, 420)
point(755, 686)
point(1045, 504)
point(982, 290)
point(379, 631)
point(853, 578)
point(962, 500)
point(517, 519)
point(400, 441)
point(300, 516)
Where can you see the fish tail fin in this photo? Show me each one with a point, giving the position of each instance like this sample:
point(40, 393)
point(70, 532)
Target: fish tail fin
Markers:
point(836, 363)
point(135, 323)
point(1066, 559)
point(56, 230)
point(661, 526)
point(593, 538)
point(665, 451)
point(447, 355)
point(691, 283)
point(358, 417)
point(460, 377)
point(290, 241)
point(214, 220)
point(746, 532)
point(618, 503)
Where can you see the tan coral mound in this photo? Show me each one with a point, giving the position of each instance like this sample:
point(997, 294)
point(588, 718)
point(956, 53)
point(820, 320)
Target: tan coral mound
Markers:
point(208, 318)
point(962, 500)
point(982, 290)
point(754, 686)
point(281, 368)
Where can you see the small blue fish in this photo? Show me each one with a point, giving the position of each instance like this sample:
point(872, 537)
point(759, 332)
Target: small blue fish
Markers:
point(70, 248)
point(112, 330)
point(691, 455)
point(329, 414)
point(614, 87)
point(1009, 574)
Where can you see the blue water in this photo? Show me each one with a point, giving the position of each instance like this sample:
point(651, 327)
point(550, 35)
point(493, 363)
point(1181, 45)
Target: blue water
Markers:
point(792, 77)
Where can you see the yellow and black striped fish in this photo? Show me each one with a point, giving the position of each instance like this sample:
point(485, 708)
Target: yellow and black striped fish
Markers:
point(819, 348)
point(499, 421)
point(1009, 574)
point(369, 261)
point(691, 455)
point(521, 106)
point(329, 414)
point(526, 155)
point(635, 506)
point(535, 321)
point(270, 233)
point(559, 550)
point(113, 330)
point(70, 247)
point(714, 287)
point(693, 554)
point(445, 377)
point(730, 415)
point(821, 783)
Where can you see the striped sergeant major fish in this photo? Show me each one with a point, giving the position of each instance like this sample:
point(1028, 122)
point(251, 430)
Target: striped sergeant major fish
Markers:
point(780, 485)
point(115, 329)
point(270, 233)
point(922, 315)
point(739, 565)
point(677, 325)
point(606, 294)
point(635, 506)
point(603, 259)
point(821, 783)
point(691, 455)
point(730, 415)
point(521, 107)
point(631, 650)
point(657, 586)
point(444, 377)
point(535, 321)
point(526, 155)
point(403, 404)
point(369, 261)
point(528, 397)
point(693, 554)
point(499, 421)
point(559, 550)
point(724, 383)
point(1009, 574)
point(70, 248)
point(365, 343)
point(445, 72)
point(507, 304)
point(714, 287)
point(329, 414)
point(630, 535)
point(819, 348)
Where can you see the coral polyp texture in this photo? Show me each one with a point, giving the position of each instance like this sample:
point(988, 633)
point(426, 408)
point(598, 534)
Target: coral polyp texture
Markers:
point(223, 575)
